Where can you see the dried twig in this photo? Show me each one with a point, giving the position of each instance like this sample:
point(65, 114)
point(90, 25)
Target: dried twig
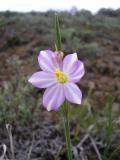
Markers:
point(86, 136)
point(82, 155)
point(4, 151)
point(9, 129)
point(95, 148)
point(30, 149)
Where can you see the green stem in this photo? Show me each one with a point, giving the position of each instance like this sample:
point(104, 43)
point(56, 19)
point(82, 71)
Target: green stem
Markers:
point(57, 34)
point(67, 129)
point(65, 107)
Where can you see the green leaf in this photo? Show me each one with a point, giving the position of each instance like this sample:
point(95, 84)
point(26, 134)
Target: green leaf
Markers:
point(109, 116)
point(109, 126)
point(57, 34)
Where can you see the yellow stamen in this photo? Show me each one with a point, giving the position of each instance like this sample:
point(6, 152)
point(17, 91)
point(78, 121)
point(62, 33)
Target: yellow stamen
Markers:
point(61, 77)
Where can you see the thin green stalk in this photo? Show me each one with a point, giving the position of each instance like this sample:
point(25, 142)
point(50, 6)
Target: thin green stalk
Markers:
point(57, 34)
point(109, 127)
point(65, 109)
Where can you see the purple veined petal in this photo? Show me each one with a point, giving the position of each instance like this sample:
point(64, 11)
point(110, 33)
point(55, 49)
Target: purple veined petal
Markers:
point(68, 62)
point(42, 79)
point(72, 93)
point(53, 97)
point(78, 73)
point(46, 61)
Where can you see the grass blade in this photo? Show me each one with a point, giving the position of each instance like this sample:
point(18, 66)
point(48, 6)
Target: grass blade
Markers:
point(57, 34)
point(109, 126)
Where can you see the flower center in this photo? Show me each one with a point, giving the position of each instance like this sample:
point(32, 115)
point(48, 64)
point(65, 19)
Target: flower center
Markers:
point(61, 77)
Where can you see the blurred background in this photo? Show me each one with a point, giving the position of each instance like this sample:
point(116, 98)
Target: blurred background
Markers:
point(92, 29)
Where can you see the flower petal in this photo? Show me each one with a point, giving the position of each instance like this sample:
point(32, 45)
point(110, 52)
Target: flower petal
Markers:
point(46, 61)
point(53, 97)
point(42, 79)
point(72, 93)
point(78, 73)
point(68, 62)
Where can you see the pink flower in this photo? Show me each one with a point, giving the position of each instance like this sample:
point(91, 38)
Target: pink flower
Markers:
point(59, 77)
